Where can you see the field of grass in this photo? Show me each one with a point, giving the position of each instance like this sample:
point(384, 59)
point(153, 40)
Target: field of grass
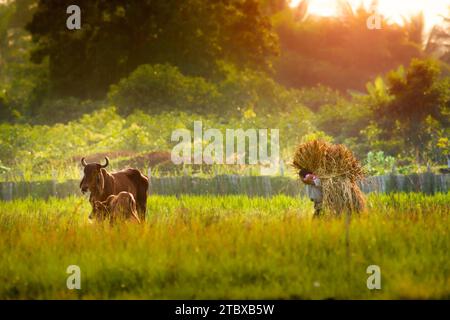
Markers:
point(227, 247)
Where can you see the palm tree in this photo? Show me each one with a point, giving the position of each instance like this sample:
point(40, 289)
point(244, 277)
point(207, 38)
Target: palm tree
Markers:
point(415, 28)
point(301, 11)
point(438, 43)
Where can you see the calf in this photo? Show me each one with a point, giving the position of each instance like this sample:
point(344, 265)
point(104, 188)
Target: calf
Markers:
point(101, 184)
point(116, 207)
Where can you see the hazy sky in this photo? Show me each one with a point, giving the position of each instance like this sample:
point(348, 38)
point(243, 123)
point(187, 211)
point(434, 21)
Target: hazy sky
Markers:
point(393, 10)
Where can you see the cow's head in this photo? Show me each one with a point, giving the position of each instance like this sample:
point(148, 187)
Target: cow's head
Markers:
point(100, 211)
point(93, 179)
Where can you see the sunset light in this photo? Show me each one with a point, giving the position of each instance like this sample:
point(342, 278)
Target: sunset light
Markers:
point(224, 159)
point(393, 10)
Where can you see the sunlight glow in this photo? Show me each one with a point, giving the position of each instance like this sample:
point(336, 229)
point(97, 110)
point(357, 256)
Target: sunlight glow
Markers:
point(393, 10)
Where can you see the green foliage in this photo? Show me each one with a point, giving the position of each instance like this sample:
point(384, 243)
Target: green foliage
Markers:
point(50, 111)
point(318, 135)
point(22, 83)
point(378, 163)
point(231, 247)
point(37, 150)
point(118, 36)
point(416, 111)
point(316, 97)
point(444, 145)
point(159, 88)
point(377, 91)
point(23, 11)
point(169, 63)
point(345, 121)
point(6, 12)
point(418, 93)
point(3, 169)
point(375, 140)
point(243, 90)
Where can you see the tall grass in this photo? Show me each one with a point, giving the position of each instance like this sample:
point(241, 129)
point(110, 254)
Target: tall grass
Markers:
point(227, 247)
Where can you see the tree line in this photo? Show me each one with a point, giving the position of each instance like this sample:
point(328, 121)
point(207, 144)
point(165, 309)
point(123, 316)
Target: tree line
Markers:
point(387, 89)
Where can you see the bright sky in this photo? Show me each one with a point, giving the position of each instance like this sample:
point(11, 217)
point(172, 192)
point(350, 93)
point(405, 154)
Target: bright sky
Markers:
point(393, 10)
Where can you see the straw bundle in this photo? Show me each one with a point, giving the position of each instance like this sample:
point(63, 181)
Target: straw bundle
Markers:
point(338, 170)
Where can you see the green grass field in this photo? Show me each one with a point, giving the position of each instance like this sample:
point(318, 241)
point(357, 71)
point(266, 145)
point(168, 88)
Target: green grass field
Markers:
point(227, 247)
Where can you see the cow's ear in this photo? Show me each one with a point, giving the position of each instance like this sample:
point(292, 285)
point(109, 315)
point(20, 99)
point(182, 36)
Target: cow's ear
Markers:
point(100, 182)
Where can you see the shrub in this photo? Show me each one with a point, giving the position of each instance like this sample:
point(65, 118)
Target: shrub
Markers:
point(247, 90)
point(379, 163)
point(158, 88)
point(63, 110)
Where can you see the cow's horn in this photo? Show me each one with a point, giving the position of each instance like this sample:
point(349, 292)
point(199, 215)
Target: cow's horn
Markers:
point(83, 162)
point(107, 162)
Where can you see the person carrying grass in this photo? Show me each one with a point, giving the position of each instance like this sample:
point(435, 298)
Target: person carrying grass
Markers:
point(331, 173)
point(313, 189)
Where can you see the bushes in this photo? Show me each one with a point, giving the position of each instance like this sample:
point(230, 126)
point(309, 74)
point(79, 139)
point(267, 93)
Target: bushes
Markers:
point(378, 163)
point(63, 110)
point(158, 88)
point(39, 149)
point(5, 112)
point(247, 90)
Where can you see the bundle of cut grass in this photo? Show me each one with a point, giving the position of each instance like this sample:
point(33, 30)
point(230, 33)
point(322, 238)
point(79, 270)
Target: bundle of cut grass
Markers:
point(338, 170)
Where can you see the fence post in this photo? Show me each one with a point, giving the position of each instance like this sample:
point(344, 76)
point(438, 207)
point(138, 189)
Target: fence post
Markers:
point(184, 183)
point(382, 180)
point(216, 180)
point(9, 184)
point(10, 196)
point(267, 186)
point(54, 183)
point(394, 169)
point(149, 175)
point(428, 181)
point(281, 167)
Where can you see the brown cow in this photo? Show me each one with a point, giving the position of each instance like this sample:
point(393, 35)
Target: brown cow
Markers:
point(116, 207)
point(102, 184)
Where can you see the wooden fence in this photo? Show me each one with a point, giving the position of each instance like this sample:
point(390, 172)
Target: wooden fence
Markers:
point(266, 186)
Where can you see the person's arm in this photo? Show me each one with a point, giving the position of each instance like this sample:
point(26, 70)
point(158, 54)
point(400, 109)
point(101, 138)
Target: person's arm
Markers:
point(317, 182)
